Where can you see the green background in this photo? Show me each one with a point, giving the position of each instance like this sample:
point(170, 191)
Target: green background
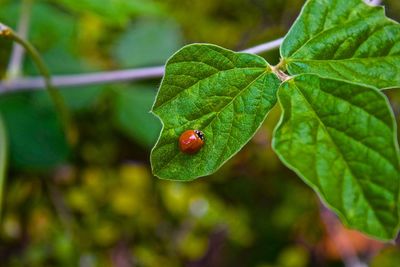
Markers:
point(97, 204)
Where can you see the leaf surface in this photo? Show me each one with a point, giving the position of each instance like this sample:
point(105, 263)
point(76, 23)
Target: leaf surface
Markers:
point(347, 40)
point(340, 139)
point(226, 95)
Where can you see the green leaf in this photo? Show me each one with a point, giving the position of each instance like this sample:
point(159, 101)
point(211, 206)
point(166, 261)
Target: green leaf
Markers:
point(36, 140)
point(226, 95)
point(140, 45)
point(132, 114)
point(3, 161)
point(347, 40)
point(340, 139)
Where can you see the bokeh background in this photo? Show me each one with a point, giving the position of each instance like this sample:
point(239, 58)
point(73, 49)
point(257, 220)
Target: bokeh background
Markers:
point(97, 204)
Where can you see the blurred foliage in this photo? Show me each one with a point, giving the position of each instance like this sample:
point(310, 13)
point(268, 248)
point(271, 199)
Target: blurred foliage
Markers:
point(137, 122)
point(147, 43)
point(45, 146)
point(97, 204)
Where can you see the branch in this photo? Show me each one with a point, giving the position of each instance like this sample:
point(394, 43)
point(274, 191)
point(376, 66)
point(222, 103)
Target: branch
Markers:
point(35, 83)
point(264, 47)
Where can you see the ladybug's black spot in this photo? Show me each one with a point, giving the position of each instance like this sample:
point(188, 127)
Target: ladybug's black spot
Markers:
point(200, 134)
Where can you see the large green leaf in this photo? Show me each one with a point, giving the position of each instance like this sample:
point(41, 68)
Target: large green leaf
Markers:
point(226, 95)
point(340, 138)
point(344, 39)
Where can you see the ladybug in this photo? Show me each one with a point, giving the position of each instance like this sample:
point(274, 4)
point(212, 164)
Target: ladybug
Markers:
point(191, 141)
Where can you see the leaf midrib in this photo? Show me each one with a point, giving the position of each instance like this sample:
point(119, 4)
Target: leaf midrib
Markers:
point(228, 104)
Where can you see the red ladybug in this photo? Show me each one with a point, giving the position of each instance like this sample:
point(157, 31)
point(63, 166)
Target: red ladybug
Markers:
point(191, 141)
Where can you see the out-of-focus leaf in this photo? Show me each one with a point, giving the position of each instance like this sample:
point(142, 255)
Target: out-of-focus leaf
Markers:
point(226, 95)
point(132, 114)
point(49, 27)
point(147, 43)
point(347, 40)
point(340, 138)
point(193, 246)
point(3, 160)
point(115, 11)
point(35, 135)
point(296, 256)
point(388, 257)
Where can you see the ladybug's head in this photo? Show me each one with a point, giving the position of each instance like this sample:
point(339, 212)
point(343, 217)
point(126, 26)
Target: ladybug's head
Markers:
point(200, 134)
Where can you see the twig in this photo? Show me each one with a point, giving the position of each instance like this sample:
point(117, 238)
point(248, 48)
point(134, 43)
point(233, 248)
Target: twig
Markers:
point(83, 79)
point(264, 47)
point(17, 54)
point(32, 83)
point(55, 96)
point(373, 2)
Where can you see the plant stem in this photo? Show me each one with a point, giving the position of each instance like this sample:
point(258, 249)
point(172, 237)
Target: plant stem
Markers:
point(373, 2)
point(3, 161)
point(264, 47)
point(55, 96)
point(17, 55)
point(74, 80)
